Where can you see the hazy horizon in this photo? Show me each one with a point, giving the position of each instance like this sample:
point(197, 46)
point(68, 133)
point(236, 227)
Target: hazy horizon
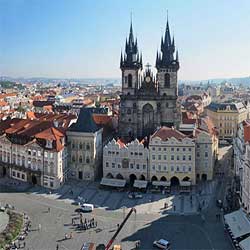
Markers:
point(83, 39)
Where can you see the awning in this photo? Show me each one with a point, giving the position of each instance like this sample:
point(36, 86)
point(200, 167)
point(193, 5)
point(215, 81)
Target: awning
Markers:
point(245, 244)
point(161, 183)
point(185, 183)
point(238, 223)
point(140, 184)
point(113, 182)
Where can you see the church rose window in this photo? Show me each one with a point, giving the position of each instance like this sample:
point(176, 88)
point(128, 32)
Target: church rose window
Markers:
point(167, 80)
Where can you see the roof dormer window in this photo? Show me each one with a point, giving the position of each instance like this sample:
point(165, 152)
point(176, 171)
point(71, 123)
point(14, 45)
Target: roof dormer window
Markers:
point(48, 144)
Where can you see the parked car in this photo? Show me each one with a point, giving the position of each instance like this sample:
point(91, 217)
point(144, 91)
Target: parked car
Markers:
point(2, 209)
point(134, 196)
point(162, 244)
point(85, 207)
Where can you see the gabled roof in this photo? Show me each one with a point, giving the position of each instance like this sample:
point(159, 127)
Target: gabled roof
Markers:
point(166, 133)
point(85, 122)
point(51, 134)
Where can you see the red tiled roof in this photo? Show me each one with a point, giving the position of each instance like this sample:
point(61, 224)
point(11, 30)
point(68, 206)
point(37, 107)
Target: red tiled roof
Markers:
point(102, 119)
point(166, 133)
point(3, 103)
point(121, 143)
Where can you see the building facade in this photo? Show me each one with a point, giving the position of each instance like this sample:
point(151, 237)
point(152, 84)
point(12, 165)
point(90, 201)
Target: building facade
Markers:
point(147, 101)
point(33, 151)
point(84, 147)
point(126, 161)
point(172, 156)
point(226, 117)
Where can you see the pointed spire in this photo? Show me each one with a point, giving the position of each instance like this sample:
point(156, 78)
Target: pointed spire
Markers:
point(177, 56)
point(121, 60)
point(162, 44)
point(131, 36)
point(141, 60)
point(157, 58)
point(173, 43)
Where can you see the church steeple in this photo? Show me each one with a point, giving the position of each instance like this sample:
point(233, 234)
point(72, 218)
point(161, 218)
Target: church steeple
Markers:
point(166, 55)
point(131, 57)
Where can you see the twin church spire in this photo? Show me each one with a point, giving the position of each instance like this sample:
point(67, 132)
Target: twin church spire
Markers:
point(164, 58)
point(131, 58)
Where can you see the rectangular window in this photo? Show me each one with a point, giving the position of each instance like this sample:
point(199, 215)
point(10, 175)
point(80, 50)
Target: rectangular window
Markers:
point(183, 157)
point(107, 164)
point(165, 149)
point(153, 157)
point(113, 165)
point(45, 154)
point(184, 168)
point(172, 149)
point(23, 176)
point(140, 153)
point(172, 157)
point(206, 154)
point(165, 168)
point(190, 158)
point(190, 169)
point(137, 166)
point(144, 166)
point(159, 149)
point(172, 168)
point(165, 157)
point(136, 153)
point(183, 149)
point(153, 148)
point(18, 175)
point(177, 169)
point(13, 173)
point(119, 165)
point(131, 165)
point(39, 153)
point(177, 149)
point(159, 157)
point(159, 167)
point(177, 158)
point(189, 149)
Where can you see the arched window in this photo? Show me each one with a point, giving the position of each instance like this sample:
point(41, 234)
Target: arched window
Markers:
point(167, 80)
point(130, 81)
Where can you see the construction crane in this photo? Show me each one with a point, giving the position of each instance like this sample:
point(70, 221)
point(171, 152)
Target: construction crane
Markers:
point(120, 228)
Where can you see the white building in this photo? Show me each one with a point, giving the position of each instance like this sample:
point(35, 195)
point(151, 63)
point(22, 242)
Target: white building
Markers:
point(33, 151)
point(126, 161)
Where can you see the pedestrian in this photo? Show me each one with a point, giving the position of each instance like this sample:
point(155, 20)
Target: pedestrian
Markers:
point(57, 247)
point(65, 236)
point(24, 244)
point(118, 225)
point(71, 235)
point(85, 221)
point(48, 209)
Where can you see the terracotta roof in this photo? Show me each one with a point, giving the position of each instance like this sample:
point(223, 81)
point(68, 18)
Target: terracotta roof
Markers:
point(121, 143)
point(3, 103)
point(2, 96)
point(101, 119)
point(50, 134)
point(166, 133)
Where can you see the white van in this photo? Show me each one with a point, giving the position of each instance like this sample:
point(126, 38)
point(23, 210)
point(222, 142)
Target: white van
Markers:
point(87, 207)
point(162, 244)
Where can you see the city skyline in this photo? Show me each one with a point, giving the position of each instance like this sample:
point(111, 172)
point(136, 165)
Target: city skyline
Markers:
point(81, 40)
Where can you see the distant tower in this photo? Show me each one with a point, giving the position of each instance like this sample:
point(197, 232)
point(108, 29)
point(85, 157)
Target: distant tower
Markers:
point(131, 66)
point(167, 66)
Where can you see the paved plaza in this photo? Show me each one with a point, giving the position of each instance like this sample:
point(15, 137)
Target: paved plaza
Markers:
point(181, 223)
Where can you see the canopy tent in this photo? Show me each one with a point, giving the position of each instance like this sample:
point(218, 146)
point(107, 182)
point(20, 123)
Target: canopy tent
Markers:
point(238, 223)
point(113, 182)
point(245, 244)
point(161, 183)
point(140, 184)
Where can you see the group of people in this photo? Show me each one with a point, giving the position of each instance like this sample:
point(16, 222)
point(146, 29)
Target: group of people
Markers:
point(84, 223)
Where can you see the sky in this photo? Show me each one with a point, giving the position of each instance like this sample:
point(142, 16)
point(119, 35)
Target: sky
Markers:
point(84, 38)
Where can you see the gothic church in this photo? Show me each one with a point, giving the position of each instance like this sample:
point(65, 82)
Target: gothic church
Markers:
point(148, 102)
